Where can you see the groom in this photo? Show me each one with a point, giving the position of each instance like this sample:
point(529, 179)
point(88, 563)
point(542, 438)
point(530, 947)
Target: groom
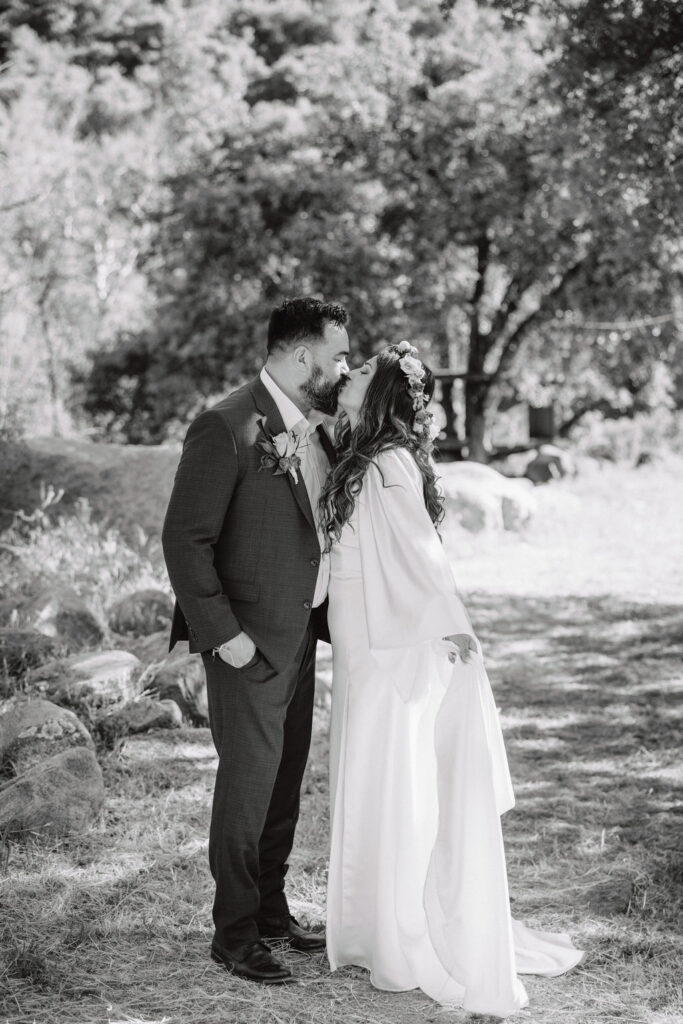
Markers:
point(244, 559)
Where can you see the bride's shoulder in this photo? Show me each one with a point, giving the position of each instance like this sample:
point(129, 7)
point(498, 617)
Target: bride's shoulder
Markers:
point(397, 466)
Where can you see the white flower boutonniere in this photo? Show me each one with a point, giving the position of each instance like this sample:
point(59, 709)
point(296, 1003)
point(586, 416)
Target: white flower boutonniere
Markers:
point(281, 454)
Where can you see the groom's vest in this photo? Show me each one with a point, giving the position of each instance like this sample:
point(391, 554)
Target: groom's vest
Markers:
point(240, 543)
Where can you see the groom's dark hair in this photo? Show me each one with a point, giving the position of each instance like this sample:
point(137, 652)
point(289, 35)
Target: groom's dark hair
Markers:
point(302, 319)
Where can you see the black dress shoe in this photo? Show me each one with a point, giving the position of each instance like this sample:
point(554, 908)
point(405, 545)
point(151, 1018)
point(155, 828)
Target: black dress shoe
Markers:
point(289, 929)
point(254, 962)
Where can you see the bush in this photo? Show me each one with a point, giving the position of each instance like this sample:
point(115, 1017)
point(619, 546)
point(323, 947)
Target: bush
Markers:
point(78, 551)
point(627, 439)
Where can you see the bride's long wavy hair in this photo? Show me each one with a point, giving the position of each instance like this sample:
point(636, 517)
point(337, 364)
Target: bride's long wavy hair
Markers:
point(385, 421)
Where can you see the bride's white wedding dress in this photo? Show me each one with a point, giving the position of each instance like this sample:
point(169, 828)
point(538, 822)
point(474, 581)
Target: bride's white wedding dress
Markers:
point(417, 888)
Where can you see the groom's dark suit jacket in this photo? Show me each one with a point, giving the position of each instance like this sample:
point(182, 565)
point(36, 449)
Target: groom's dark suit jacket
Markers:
point(240, 543)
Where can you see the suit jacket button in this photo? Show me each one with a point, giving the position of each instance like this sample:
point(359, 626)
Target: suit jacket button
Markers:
point(315, 562)
point(308, 604)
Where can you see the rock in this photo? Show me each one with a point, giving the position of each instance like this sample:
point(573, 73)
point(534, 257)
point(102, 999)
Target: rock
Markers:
point(519, 504)
point(611, 897)
point(551, 463)
point(107, 677)
point(514, 465)
point(181, 678)
point(601, 451)
point(33, 730)
point(61, 796)
point(128, 486)
point(59, 612)
point(141, 613)
point(21, 649)
point(152, 649)
point(480, 498)
point(141, 715)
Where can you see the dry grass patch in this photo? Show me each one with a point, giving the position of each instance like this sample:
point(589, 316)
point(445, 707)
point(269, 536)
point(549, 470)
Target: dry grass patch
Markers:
point(114, 926)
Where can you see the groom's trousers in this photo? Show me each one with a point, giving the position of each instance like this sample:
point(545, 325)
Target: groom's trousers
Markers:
point(261, 725)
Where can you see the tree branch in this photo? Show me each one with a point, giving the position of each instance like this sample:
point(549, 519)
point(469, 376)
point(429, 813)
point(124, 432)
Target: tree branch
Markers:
point(602, 405)
point(514, 341)
point(507, 307)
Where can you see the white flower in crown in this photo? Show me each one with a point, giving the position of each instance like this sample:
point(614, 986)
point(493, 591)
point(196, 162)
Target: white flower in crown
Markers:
point(405, 348)
point(413, 369)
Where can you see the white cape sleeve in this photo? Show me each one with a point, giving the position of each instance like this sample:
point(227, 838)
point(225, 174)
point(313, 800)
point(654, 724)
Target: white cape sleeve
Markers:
point(410, 593)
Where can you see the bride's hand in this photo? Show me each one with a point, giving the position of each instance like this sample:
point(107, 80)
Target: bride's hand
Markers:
point(464, 643)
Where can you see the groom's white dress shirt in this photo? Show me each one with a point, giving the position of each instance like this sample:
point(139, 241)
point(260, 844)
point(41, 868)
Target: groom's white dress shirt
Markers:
point(314, 468)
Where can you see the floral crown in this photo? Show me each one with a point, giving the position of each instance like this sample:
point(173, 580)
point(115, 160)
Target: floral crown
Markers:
point(423, 421)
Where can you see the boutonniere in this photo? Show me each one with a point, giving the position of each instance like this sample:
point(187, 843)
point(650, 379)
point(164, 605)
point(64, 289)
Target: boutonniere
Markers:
point(281, 454)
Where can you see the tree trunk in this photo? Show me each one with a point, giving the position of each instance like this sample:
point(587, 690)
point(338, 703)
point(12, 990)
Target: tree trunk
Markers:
point(476, 389)
point(476, 409)
point(52, 373)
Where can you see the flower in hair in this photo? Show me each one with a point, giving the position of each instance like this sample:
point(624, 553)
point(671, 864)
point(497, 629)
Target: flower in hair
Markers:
point(412, 367)
point(405, 348)
point(423, 421)
point(424, 425)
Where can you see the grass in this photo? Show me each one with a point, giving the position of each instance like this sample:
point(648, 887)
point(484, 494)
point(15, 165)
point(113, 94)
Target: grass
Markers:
point(582, 628)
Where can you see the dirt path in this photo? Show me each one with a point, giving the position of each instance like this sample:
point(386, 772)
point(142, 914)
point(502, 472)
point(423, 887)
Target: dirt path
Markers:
point(116, 927)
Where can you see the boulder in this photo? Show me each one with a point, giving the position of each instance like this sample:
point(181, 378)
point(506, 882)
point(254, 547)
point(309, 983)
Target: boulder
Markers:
point(153, 649)
point(61, 796)
point(551, 463)
point(21, 649)
point(128, 486)
point(141, 715)
point(514, 465)
point(142, 613)
point(33, 730)
point(59, 612)
point(480, 498)
point(106, 677)
point(181, 678)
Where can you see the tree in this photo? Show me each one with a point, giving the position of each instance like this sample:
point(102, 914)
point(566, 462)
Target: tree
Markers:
point(68, 250)
point(439, 175)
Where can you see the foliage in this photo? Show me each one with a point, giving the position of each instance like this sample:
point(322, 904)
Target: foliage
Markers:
point(77, 551)
point(474, 178)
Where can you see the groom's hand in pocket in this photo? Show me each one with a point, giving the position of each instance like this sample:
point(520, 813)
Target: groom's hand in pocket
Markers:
point(464, 644)
point(238, 652)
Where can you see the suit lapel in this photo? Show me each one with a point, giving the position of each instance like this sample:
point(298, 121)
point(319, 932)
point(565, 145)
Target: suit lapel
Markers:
point(273, 424)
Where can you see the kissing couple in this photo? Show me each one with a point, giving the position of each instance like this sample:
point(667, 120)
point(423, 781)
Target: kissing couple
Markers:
point(278, 534)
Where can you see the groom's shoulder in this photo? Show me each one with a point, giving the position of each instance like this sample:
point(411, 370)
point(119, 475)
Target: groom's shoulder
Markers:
point(237, 408)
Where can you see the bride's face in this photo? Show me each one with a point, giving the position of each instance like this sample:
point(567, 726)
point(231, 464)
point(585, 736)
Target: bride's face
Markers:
point(353, 392)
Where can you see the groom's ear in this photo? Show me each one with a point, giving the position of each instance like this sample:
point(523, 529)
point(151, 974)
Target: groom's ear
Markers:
point(303, 358)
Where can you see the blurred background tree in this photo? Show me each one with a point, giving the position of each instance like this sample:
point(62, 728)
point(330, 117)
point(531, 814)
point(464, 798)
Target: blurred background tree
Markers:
point(490, 179)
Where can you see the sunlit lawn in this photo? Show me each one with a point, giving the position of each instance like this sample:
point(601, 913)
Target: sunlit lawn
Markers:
point(582, 625)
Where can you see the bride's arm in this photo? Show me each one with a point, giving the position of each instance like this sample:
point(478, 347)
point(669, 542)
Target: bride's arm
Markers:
point(410, 592)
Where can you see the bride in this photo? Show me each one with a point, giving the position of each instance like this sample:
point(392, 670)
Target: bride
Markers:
point(417, 888)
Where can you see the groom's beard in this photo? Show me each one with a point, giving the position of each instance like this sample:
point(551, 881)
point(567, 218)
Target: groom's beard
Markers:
point(322, 393)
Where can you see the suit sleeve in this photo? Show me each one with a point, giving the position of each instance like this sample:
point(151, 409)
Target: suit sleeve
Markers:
point(410, 593)
point(204, 484)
